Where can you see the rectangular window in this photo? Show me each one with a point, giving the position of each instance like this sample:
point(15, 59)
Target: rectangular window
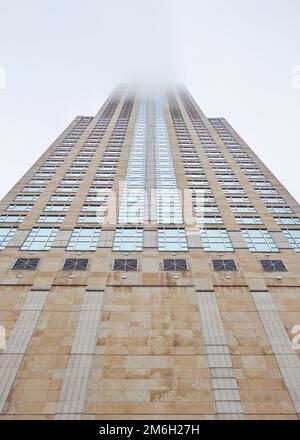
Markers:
point(245, 209)
point(26, 264)
point(272, 200)
point(175, 266)
point(125, 265)
point(84, 239)
point(40, 239)
point(6, 235)
point(24, 198)
point(19, 208)
point(12, 218)
point(51, 219)
point(248, 220)
point(56, 208)
point(273, 266)
point(34, 189)
point(75, 264)
point(128, 239)
point(62, 198)
point(172, 240)
point(67, 189)
point(93, 219)
point(216, 240)
point(224, 266)
point(210, 220)
point(287, 220)
point(293, 236)
point(259, 240)
point(280, 210)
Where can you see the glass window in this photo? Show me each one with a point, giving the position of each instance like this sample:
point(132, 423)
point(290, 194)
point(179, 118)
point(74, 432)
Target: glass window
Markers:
point(12, 218)
point(293, 236)
point(84, 239)
point(24, 198)
point(67, 189)
point(90, 219)
point(62, 198)
point(287, 220)
point(51, 219)
point(34, 189)
point(210, 220)
point(26, 264)
point(40, 239)
point(173, 240)
point(56, 208)
point(273, 266)
point(259, 240)
point(216, 240)
point(280, 210)
point(272, 200)
point(128, 239)
point(19, 208)
point(243, 209)
point(249, 220)
point(6, 235)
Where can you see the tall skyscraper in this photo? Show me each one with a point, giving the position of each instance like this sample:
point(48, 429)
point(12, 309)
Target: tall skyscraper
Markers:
point(149, 269)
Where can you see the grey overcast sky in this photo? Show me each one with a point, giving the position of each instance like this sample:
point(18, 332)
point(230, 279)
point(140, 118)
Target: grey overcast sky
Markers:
point(61, 58)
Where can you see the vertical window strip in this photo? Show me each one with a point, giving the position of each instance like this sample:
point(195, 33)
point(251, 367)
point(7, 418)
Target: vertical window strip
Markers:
point(169, 210)
point(133, 196)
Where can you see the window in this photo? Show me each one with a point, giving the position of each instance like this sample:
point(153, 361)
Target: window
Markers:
point(280, 210)
point(273, 266)
point(51, 219)
point(40, 239)
point(75, 264)
point(128, 239)
point(94, 208)
point(62, 198)
point(34, 189)
point(210, 220)
point(248, 220)
point(287, 220)
point(19, 208)
point(125, 265)
point(175, 266)
point(262, 183)
point(272, 200)
point(224, 266)
point(233, 191)
point(293, 237)
point(12, 218)
point(90, 219)
point(173, 240)
point(216, 240)
point(6, 235)
point(56, 208)
point(243, 209)
point(266, 191)
point(25, 198)
point(26, 264)
point(237, 199)
point(84, 239)
point(67, 189)
point(259, 240)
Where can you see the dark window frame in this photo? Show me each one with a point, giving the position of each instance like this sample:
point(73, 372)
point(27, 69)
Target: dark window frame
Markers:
point(224, 266)
point(125, 265)
point(26, 264)
point(273, 266)
point(175, 265)
point(79, 264)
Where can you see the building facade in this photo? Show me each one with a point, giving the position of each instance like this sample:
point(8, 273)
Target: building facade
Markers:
point(149, 269)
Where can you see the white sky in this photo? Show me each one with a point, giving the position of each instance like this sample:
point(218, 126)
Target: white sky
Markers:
point(62, 58)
